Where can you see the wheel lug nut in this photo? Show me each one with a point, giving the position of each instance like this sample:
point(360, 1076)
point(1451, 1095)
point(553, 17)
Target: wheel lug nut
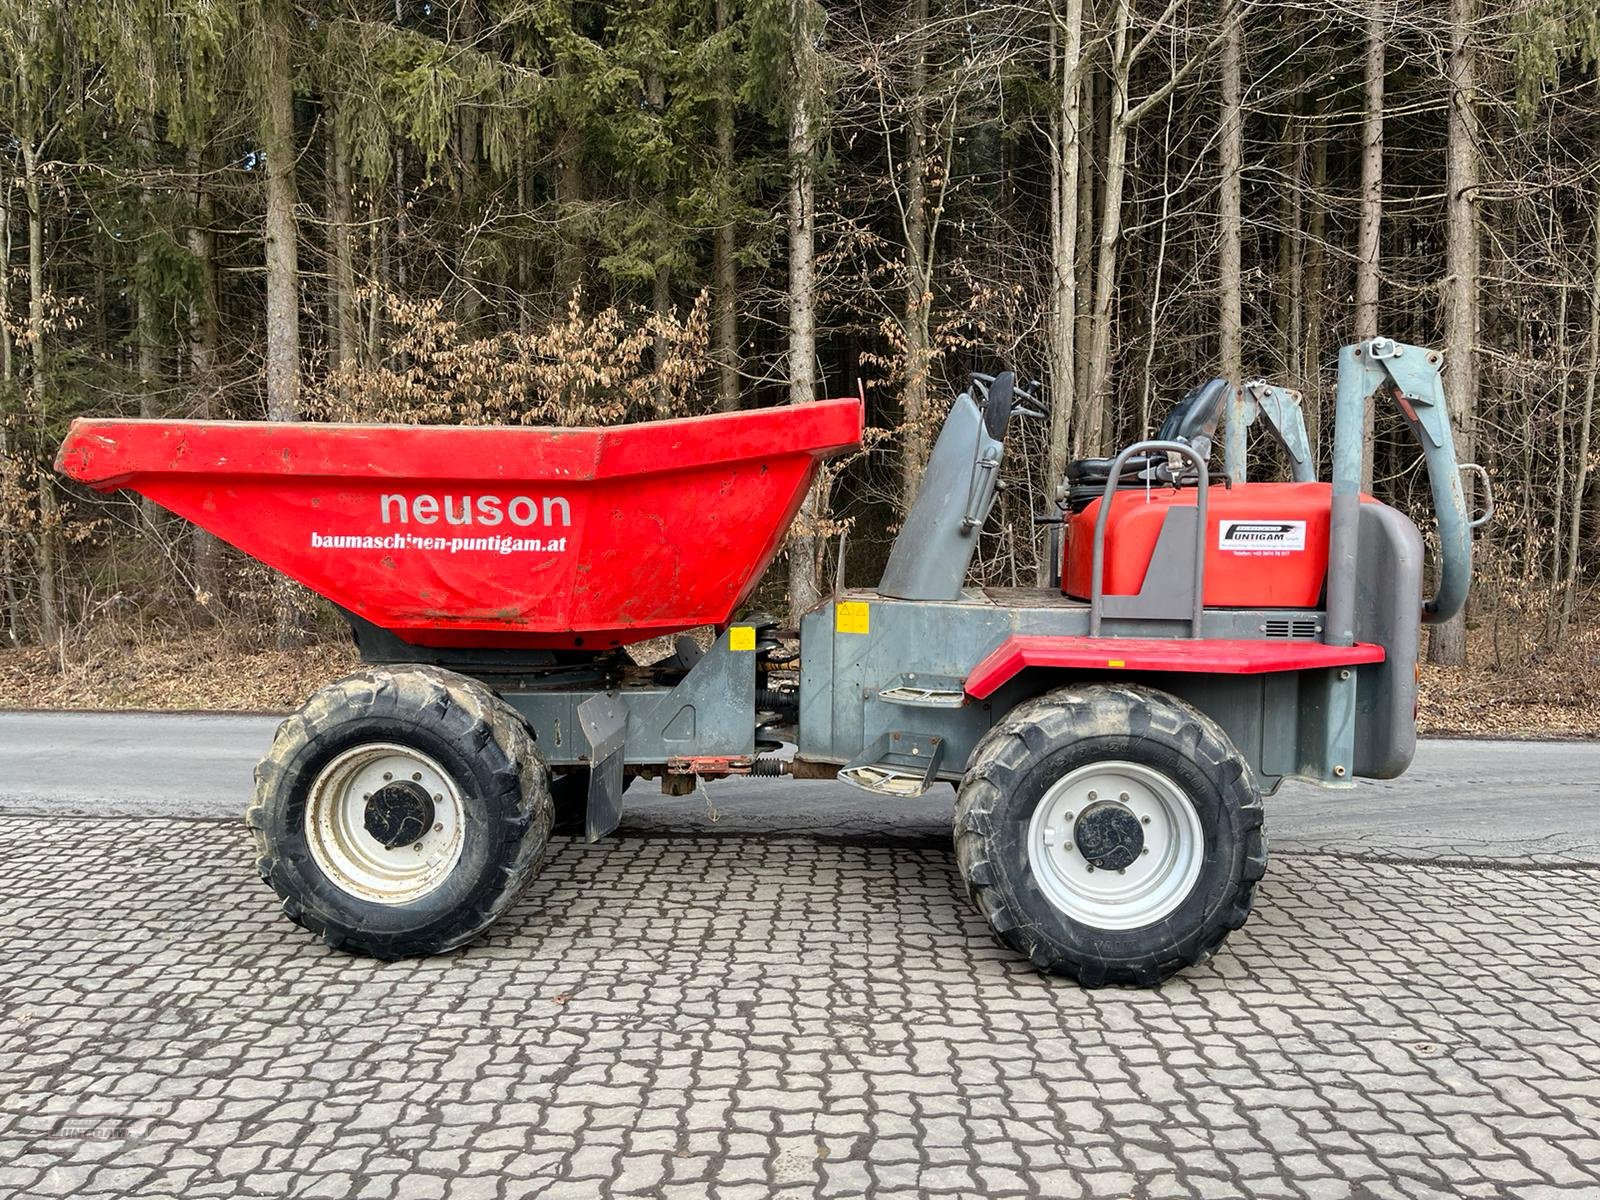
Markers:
point(439, 828)
point(1144, 820)
point(388, 775)
point(1094, 795)
point(1146, 850)
point(1123, 797)
point(438, 798)
point(1122, 870)
point(417, 775)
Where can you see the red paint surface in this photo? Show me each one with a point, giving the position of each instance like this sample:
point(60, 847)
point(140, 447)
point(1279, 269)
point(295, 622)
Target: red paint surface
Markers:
point(664, 525)
point(1234, 579)
point(1220, 656)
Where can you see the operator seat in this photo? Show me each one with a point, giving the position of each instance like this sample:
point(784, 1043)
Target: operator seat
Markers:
point(1192, 420)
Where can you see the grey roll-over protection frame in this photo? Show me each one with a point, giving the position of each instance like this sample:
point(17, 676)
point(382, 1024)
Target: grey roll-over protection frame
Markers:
point(1410, 377)
point(1280, 410)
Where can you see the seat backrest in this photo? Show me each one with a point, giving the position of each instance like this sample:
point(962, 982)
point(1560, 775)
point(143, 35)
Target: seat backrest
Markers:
point(1194, 418)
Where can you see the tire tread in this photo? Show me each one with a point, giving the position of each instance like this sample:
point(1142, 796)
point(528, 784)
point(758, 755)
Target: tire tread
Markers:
point(474, 716)
point(1036, 726)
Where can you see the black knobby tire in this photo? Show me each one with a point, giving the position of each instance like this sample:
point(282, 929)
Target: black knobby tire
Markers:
point(474, 736)
point(1041, 741)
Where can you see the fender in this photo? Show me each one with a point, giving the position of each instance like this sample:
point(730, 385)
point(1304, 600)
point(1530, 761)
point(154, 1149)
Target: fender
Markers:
point(1223, 656)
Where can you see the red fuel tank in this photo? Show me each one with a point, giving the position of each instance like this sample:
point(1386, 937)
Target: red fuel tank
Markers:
point(1266, 543)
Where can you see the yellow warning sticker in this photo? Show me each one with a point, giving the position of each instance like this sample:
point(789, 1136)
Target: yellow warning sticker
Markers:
point(852, 616)
point(742, 637)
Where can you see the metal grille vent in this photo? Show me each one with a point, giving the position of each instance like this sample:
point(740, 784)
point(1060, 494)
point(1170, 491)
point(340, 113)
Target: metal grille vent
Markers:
point(1291, 627)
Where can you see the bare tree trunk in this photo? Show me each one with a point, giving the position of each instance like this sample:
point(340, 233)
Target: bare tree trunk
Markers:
point(655, 88)
point(203, 329)
point(282, 257)
point(39, 391)
point(1316, 259)
point(1065, 118)
point(918, 253)
point(661, 304)
point(467, 186)
point(569, 194)
point(378, 266)
point(1291, 250)
point(1230, 153)
point(1367, 281)
point(804, 589)
point(1091, 134)
point(1091, 421)
point(341, 194)
point(396, 246)
point(8, 375)
point(724, 269)
point(147, 319)
point(524, 249)
point(1585, 439)
point(1447, 643)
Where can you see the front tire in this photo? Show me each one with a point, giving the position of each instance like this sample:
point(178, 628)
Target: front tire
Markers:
point(400, 812)
point(1110, 833)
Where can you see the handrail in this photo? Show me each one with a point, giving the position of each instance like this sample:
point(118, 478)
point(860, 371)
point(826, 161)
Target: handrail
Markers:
point(1097, 584)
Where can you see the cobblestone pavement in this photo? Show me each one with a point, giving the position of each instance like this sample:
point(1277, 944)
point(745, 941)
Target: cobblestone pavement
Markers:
point(694, 1016)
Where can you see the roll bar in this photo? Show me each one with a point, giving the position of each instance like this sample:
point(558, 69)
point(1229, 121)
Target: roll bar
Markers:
point(1408, 375)
point(1279, 408)
point(1097, 597)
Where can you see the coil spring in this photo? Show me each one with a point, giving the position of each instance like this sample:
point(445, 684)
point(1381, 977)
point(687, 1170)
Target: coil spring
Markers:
point(769, 650)
point(774, 706)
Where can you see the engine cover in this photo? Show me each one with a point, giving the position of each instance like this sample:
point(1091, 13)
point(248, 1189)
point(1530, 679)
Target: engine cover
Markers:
point(1266, 543)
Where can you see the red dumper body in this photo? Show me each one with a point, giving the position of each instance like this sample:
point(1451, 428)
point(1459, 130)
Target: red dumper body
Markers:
point(491, 537)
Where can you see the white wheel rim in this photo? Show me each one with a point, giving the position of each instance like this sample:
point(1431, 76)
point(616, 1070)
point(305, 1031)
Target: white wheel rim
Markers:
point(1168, 848)
point(357, 862)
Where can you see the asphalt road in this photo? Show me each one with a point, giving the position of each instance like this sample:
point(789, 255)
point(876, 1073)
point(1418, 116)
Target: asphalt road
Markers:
point(1469, 799)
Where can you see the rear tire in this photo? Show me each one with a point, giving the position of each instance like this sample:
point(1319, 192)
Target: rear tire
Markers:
point(1111, 833)
point(400, 812)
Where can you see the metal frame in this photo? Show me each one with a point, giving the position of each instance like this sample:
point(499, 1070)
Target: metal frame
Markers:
point(1152, 604)
point(1410, 376)
point(1285, 419)
point(1327, 724)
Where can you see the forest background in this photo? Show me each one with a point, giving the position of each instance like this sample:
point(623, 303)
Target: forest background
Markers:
point(560, 211)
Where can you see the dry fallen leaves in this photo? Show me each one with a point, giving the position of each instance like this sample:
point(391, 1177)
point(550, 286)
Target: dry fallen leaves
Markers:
point(1557, 696)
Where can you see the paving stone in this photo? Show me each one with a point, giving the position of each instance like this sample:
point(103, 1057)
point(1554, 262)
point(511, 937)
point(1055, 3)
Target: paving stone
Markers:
point(685, 1016)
